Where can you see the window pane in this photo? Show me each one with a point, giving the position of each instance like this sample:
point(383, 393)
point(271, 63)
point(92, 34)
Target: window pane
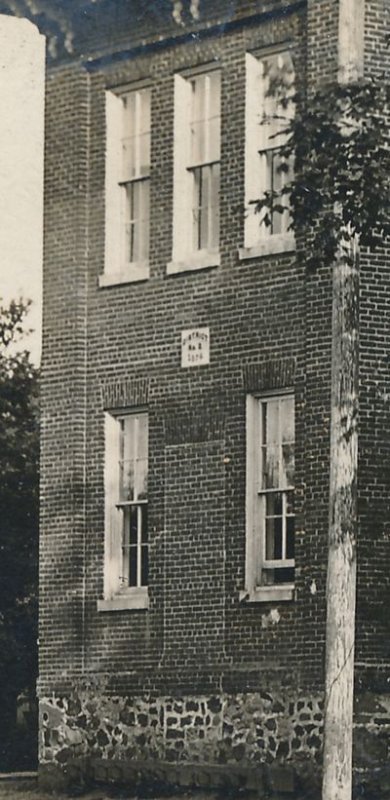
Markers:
point(270, 449)
point(271, 468)
point(144, 565)
point(133, 558)
point(277, 185)
point(274, 533)
point(136, 135)
point(290, 542)
point(198, 130)
point(144, 221)
point(133, 525)
point(134, 457)
point(287, 419)
point(287, 434)
point(272, 422)
point(204, 207)
point(140, 221)
point(129, 137)
point(127, 459)
point(198, 121)
point(137, 221)
point(127, 487)
point(288, 465)
point(129, 221)
point(144, 518)
point(141, 464)
point(205, 118)
point(214, 205)
point(144, 132)
point(196, 208)
point(290, 503)
point(276, 83)
point(274, 504)
point(214, 116)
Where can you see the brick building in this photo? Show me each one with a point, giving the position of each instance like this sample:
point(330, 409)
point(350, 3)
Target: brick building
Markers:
point(186, 354)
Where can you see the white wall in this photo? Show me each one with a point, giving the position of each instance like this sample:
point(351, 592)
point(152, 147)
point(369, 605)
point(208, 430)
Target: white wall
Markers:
point(22, 62)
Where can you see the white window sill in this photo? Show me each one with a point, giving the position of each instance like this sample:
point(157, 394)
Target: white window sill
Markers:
point(269, 245)
point(199, 260)
point(138, 271)
point(268, 594)
point(133, 599)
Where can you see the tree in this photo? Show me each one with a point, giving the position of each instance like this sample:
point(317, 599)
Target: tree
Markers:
point(19, 454)
point(340, 199)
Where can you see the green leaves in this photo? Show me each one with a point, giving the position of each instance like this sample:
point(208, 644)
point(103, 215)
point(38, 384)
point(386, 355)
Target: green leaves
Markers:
point(341, 188)
point(19, 455)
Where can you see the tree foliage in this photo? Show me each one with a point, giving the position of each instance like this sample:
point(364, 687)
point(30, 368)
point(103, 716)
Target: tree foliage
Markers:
point(19, 454)
point(341, 187)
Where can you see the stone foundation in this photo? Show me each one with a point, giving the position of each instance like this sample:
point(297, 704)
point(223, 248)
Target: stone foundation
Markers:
point(243, 740)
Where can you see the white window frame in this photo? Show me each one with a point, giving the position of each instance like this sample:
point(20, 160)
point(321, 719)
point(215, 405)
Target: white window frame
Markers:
point(260, 142)
point(117, 267)
point(184, 255)
point(255, 561)
point(118, 594)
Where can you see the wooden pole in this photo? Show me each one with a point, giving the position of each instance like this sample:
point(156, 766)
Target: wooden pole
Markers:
point(341, 576)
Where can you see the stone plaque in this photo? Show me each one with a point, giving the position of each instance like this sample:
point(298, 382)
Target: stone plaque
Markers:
point(195, 347)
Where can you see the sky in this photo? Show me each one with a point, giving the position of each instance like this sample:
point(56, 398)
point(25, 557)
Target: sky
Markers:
point(22, 56)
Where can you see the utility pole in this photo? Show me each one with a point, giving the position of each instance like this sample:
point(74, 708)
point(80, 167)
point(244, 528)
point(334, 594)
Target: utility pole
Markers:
point(341, 576)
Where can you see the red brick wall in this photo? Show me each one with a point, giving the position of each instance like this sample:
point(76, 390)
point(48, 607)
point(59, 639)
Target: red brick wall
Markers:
point(270, 326)
point(373, 649)
point(63, 371)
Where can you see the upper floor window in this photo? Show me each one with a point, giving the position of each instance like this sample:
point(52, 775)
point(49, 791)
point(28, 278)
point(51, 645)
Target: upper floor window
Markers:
point(196, 170)
point(126, 510)
point(269, 108)
point(127, 185)
point(270, 496)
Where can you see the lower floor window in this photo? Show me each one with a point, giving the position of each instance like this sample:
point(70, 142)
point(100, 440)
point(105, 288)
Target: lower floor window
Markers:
point(126, 502)
point(270, 515)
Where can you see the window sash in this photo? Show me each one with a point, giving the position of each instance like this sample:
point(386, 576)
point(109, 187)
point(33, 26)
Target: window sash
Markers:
point(267, 117)
point(270, 491)
point(205, 206)
point(126, 502)
point(196, 146)
point(205, 118)
point(275, 172)
point(127, 183)
point(136, 132)
point(278, 529)
point(275, 91)
point(276, 465)
point(132, 501)
point(135, 220)
point(135, 550)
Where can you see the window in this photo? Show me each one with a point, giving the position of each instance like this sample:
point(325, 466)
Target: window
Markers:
point(270, 497)
point(127, 185)
point(196, 171)
point(126, 513)
point(269, 106)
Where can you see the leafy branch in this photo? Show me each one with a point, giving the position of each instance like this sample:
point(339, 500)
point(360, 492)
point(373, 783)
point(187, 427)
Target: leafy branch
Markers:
point(340, 144)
